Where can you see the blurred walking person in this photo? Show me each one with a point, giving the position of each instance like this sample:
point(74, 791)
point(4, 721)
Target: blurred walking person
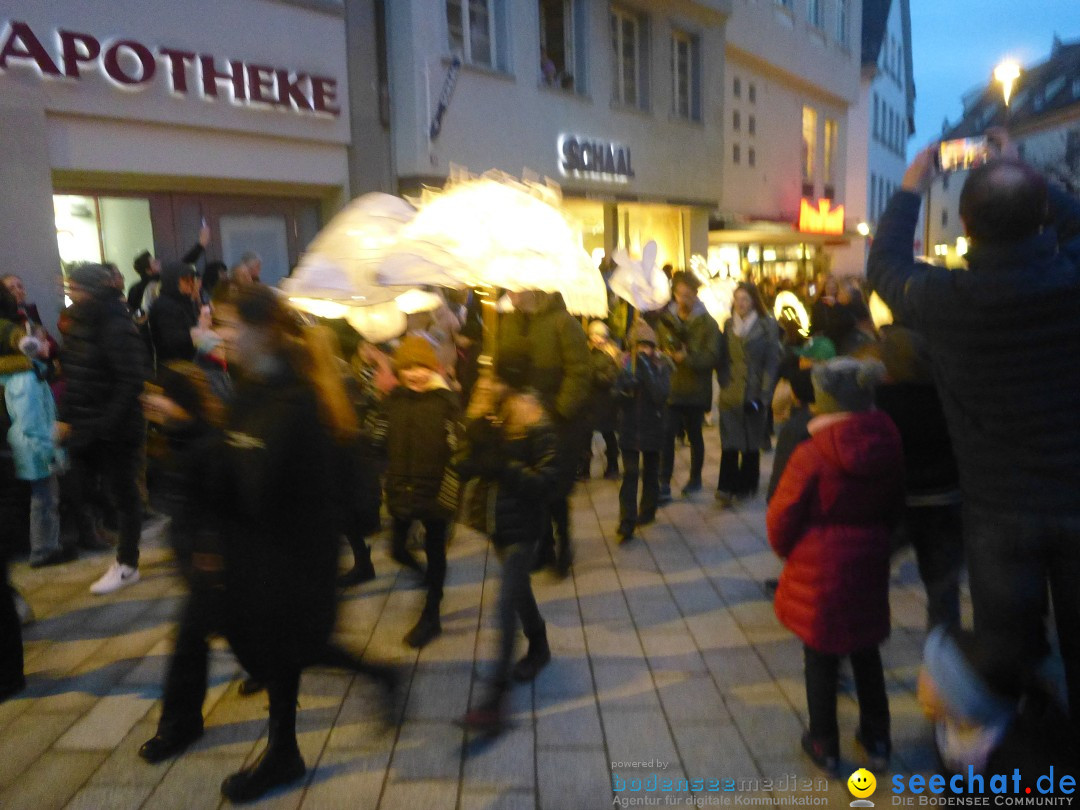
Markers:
point(559, 373)
point(510, 444)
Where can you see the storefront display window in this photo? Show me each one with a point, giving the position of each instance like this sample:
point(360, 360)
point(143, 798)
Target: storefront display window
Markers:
point(588, 218)
point(265, 235)
point(640, 222)
point(102, 229)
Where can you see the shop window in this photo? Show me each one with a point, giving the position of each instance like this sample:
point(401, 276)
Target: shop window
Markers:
point(685, 76)
point(735, 153)
point(809, 144)
point(474, 31)
point(560, 27)
point(751, 93)
point(751, 156)
point(630, 50)
point(102, 229)
point(842, 22)
point(751, 125)
point(736, 120)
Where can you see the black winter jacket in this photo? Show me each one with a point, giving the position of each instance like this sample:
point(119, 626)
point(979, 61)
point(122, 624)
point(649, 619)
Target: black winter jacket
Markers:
point(522, 467)
point(601, 406)
point(1004, 338)
point(172, 317)
point(267, 479)
point(421, 437)
point(642, 391)
point(105, 365)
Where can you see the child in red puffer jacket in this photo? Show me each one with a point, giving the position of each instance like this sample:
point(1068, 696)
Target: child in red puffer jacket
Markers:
point(831, 519)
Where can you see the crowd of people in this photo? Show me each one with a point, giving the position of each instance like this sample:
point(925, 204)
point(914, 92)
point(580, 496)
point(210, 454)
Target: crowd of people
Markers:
point(266, 443)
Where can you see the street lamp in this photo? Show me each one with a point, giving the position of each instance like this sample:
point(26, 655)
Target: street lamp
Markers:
point(1007, 73)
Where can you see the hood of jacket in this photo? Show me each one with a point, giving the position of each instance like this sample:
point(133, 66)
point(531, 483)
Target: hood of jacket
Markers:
point(864, 444)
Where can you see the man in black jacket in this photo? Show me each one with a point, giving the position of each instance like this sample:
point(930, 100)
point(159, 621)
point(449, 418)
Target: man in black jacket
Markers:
point(1004, 337)
point(100, 419)
point(174, 314)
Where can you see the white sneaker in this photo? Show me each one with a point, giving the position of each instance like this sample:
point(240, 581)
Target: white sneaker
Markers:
point(118, 576)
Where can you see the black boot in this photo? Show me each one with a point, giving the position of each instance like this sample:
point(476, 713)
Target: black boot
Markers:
point(281, 763)
point(169, 741)
point(363, 570)
point(535, 659)
point(426, 630)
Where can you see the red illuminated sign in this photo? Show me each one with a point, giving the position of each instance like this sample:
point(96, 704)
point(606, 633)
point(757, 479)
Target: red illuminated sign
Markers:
point(130, 65)
point(824, 219)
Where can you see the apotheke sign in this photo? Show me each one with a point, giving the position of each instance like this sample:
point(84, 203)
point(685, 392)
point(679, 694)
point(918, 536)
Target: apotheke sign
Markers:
point(131, 65)
point(590, 159)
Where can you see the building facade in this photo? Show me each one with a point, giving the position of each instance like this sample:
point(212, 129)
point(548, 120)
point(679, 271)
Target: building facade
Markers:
point(1043, 119)
point(126, 125)
point(880, 124)
point(792, 78)
point(620, 103)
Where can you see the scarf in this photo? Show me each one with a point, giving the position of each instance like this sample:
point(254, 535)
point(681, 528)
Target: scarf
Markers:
point(742, 326)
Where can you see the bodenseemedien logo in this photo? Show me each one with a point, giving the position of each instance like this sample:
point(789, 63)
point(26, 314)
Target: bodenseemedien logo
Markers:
point(862, 785)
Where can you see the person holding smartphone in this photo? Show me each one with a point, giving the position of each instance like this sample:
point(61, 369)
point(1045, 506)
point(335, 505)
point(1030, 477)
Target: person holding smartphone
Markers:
point(1005, 341)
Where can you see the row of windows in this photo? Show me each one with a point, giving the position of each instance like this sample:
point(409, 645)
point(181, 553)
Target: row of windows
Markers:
point(477, 31)
point(892, 60)
point(736, 155)
point(815, 15)
point(890, 126)
point(736, 123)
point(881, 191)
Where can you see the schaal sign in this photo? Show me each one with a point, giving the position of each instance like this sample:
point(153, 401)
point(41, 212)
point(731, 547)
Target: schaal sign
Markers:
point(130, 64)
point(594, 160)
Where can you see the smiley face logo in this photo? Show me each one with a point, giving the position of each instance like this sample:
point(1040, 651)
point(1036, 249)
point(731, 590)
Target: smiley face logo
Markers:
point(862, 784)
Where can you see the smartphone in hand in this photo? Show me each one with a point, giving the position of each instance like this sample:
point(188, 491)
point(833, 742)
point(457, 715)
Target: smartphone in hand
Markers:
point(962, 154)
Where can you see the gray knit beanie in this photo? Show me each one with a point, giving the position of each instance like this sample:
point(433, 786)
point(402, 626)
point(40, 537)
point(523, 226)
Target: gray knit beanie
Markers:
point(846, 384)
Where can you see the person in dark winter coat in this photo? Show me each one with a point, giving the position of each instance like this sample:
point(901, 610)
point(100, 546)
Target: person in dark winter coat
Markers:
point(642, 390)
point(604, 358)
point(511, 445)
point(422, 417)
point(830, 519)
point(174, 314)
point(752, 340)
point(792, 431)
point(932, 522)
point(1004, 337)
point(100, 420)
point(266, 482)
point(691, 339)
point(561, 375)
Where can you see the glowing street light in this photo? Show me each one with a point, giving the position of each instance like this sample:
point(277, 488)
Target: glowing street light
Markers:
point(863, 229)
point(1007, 73)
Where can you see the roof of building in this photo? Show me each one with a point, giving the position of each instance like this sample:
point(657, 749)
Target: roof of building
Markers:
point(1041, 92)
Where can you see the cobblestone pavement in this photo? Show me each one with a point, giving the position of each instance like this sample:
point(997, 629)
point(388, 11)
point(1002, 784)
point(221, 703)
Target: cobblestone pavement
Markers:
point(667, 656)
